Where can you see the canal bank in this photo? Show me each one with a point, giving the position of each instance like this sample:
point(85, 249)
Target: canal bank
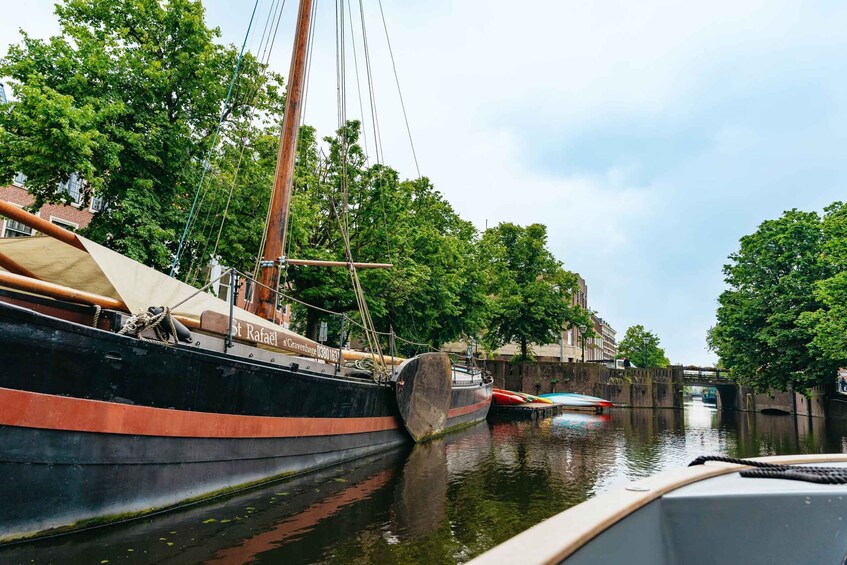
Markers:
point(657, 388)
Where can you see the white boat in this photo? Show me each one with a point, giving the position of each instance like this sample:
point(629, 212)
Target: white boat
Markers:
point(714, 512)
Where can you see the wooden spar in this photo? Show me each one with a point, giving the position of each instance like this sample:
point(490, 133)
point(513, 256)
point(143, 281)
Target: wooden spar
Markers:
point(317, 263)
point(40, 224)
point(60, 292)
point(12, 266)
point(278, 220)
point(278, 339)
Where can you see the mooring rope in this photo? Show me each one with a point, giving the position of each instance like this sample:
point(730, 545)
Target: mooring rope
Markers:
point(762, 470)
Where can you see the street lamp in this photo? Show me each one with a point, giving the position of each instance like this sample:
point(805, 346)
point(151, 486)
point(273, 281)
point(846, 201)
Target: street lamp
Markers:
point(645, 340)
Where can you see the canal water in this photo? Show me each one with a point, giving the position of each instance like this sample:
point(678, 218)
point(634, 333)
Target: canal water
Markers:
point(445, 501)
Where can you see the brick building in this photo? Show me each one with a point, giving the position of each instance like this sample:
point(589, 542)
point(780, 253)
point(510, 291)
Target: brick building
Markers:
point(72, 216)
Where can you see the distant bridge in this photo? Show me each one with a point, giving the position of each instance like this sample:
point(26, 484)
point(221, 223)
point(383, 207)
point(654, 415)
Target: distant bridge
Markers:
point(705, 376)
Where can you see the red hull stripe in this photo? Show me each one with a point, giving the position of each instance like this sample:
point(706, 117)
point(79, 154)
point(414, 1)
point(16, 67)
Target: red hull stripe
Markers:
point(47, 411)
point(461, 411)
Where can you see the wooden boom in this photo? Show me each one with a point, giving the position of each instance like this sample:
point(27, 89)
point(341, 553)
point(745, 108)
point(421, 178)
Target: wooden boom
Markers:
point(60, 292)
point(40, 224)
point(317, 263)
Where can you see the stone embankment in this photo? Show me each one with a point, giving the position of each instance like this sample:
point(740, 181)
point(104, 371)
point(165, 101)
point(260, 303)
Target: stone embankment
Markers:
point(653, 388)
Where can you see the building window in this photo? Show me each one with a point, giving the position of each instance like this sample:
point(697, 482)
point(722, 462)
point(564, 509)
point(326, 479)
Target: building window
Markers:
point(570, 337)
point(73, 186)
point(16, 229)
point(97, 203)
point(19, 179)
point(70, 226)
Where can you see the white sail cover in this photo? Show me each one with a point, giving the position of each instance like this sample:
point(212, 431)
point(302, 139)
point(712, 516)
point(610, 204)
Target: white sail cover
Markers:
point(108, 273)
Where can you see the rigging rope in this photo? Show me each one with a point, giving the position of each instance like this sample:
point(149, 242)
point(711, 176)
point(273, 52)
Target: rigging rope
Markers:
point(371, 94)
point(399, 92)
point(358, 85)
point(214, 142)
point(343, 219)
point(291, 298)
point(266, 48)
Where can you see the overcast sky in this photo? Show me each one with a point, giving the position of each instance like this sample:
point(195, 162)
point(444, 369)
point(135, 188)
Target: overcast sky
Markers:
point(648, 136)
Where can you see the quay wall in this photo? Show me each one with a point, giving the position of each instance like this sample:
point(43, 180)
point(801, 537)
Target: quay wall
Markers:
point(652, 388)
point(636, 388)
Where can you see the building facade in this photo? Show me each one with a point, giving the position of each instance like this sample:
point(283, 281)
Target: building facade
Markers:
point(609, 342)
point(570, 347)
point(73, 216)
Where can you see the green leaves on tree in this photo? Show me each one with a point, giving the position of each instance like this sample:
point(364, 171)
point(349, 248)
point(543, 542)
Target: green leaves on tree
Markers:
point(779, 322)
point(530, 290)
point(129, 97)
point(641, 346)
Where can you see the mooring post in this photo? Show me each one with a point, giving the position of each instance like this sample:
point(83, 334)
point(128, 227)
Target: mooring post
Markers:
point(233, 296)
point(340, 345)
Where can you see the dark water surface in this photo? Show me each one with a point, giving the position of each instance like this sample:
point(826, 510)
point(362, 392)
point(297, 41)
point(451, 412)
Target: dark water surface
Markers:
point(441, 502)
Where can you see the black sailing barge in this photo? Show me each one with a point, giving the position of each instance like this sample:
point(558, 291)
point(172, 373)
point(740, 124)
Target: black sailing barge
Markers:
point(96, 426)
point(106, 415)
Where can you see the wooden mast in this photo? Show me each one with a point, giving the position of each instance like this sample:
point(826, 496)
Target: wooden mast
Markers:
point(278, 221)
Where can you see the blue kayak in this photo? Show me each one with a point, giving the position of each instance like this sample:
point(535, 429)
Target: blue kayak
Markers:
point(574, 399)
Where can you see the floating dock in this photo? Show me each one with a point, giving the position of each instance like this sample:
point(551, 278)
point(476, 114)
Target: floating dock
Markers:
point(529, 411)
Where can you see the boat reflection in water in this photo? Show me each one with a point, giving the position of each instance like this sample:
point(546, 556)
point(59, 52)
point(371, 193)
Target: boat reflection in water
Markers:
point(580, 421)
point(303, 520)
point(444, 501)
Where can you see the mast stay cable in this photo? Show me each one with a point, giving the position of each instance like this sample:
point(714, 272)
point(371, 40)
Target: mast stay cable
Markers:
point(399, 92)
point(213, 144)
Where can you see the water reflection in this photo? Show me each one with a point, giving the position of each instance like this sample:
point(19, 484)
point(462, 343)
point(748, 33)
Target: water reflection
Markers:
point(440, 502)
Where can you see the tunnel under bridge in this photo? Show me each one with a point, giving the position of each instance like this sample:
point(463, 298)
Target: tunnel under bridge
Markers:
point(728, 391)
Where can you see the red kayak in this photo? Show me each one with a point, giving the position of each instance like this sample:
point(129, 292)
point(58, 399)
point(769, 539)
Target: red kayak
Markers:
point(504, 397)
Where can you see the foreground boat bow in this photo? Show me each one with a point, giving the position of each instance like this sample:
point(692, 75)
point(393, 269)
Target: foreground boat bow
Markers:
point(703, 514)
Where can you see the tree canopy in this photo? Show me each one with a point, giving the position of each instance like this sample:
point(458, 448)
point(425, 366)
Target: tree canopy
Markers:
point(434, 292)
point(828, 324)
point(776, 320)
point(642, 348)
point(134, 97)
point(530, 289)
point(129, 97)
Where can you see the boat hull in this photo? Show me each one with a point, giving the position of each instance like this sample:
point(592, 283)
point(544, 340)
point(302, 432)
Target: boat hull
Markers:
point(96, 427)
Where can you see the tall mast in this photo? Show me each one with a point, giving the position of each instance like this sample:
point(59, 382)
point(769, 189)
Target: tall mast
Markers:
point(278, 222)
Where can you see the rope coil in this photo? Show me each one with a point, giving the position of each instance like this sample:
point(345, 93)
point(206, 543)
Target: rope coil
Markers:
point(761, 470)
point(137, 323)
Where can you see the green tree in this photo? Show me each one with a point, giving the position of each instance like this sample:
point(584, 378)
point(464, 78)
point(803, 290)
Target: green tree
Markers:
point(129, 97)
point(434, 292)
point(760, 334)
point(531, 291)
point(828, 324)
point(641, 346)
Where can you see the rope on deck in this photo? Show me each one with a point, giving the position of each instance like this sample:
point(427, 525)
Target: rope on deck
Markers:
point(809, 474)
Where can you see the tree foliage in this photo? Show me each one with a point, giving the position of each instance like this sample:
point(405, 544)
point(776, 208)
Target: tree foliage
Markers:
point(129, 97)
point(641, 346)
point(828, 324)
point(434, 292)
point(132, 97)
point(779, 281)
point(531, 291)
